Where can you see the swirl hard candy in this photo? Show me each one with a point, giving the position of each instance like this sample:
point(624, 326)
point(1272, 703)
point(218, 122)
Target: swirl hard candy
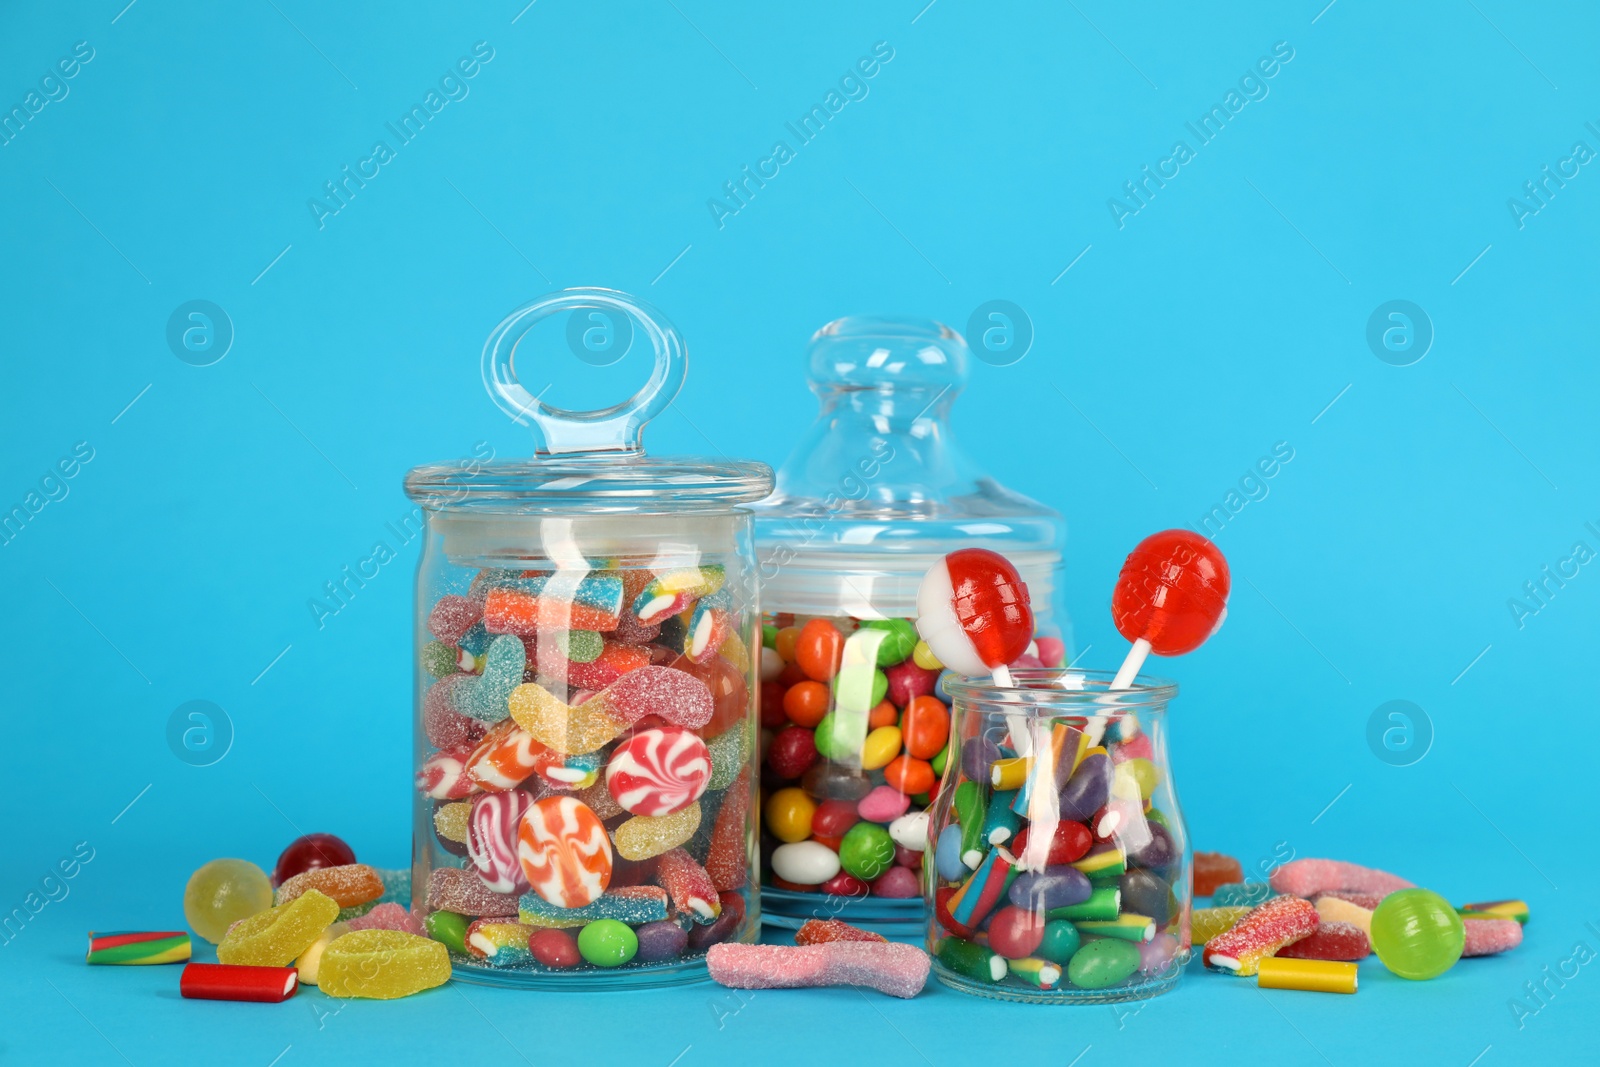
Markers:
point(659, 771)
point(492, 831)
point(564, 852)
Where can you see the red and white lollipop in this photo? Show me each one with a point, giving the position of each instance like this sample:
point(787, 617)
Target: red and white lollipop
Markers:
point(1171, 596)
point(974, 613)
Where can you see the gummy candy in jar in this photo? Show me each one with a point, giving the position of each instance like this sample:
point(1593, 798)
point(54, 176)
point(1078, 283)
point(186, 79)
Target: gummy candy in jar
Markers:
point(586, 646)
point(855, 715)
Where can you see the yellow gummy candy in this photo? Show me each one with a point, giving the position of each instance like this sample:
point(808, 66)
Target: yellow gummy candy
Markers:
point(645, 836)
point(382, 965)
point(1206, 923)
point(309, 961)
point(574, 731)
point(275, 937)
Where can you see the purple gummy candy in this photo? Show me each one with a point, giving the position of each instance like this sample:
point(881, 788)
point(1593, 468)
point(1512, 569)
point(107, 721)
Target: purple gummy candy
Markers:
point(1159, 853)
point(1054, 887)
point(452, 617)
point(1088, 789)
point(976, 757)
point(664, 940)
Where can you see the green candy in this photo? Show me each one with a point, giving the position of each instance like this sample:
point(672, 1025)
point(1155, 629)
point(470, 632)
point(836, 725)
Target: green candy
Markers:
point(1417, 934)
point(729, 750)
point(974, 961)
point(1103, 963)
point(438, 659)
point(826, 737)
point(969, 807)
point(1157, 815)
point(940, 760)
point(769, 636)
point(1061, 940)
point(583, 646)
point(1104, 903)
point(608, 943)
point(866, 851)
point(880, 688)
point(897, 646)
point(449, 929)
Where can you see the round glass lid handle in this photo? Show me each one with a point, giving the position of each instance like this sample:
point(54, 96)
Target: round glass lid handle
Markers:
point(614, 430)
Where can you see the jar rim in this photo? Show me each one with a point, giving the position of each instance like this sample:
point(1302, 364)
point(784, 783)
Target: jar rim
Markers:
point(1091, 689)
point(601, 482)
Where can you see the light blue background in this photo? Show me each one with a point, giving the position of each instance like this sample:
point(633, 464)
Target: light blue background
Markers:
point(1225, 316)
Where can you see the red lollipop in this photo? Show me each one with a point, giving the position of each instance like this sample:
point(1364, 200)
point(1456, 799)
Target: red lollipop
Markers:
point(1171, 596)
point(973, 611)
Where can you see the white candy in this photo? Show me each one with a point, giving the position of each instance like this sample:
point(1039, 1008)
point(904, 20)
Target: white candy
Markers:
point(805, 862)
point(771, 664)
point(911, 831)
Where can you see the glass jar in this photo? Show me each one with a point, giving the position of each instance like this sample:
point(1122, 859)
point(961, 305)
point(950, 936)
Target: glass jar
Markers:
point(586, 628)
point(854, 711)
point(1058, 867)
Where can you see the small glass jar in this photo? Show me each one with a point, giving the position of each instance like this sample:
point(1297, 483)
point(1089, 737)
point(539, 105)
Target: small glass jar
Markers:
point(586, 631)
point(854, 711)
point(1058, 866)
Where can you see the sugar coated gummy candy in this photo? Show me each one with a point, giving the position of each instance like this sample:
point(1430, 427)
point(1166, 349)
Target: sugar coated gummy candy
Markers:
point(646, 836)
point(1331, 941)
point(688, 886)
point(309, 963)
point(1417, 934)
point(633, 904)
point(499, 943)
point(349, 885)
point(1234, 894)
point(382, 965)
point(274, 938)
point(1489, 937)
point(676, 696)
point(577, 728)
point(1280, 921)
point(221, 893)
point(453, 889)
point(1308, 877)
point(564, 851)
point(1206, 923)
point(727, 924)
point(390, 915)
point(658, 771)
point(1338, 910)
point(896, 969)
point(1212, 869)
point(822, 931)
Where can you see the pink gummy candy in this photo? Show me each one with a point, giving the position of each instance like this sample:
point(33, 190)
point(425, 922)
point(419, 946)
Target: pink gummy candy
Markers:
point(1488, 937)
point(676, 696)
point(1305, 878)
point(1332, 941)
point(388, 916)
point(891, 967)
point(452, 617)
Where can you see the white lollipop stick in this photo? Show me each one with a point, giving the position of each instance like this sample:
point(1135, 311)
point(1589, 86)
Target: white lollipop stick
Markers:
point(1130, 666)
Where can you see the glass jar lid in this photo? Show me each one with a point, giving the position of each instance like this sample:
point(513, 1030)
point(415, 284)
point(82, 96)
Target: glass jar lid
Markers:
point(591, 461)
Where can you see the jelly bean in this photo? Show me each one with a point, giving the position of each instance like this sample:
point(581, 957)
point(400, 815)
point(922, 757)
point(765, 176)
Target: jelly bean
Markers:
point(785, 642)
point(1145, 774)
point(833, 739)
point(632, 904)
point(769, 636)
point(554, 948)
point(703, 937)
point(911, 831)
point(274, 938)
point(1212, 869)
point(382, 965)
point(876, 685)
point(223, 892)
point(806, 703)
point(866, 851)
point(948, 855)
point(1054, 887)
point(564, 851)
point(349, 885)
point(1103, 963)
point(660, 941)
point(449, 928)
point(846, 885)
point(818, 649)
point(907, 681)
point(1416, 934)
point(833, 817)
point(1157, 954)
point(771, 705)
point(900, 637)
point(771, 664)
point(645, 836)
point(792, 752)
point(492, 839)
point(909, 775)
point(883, 805)
point(971, 960)
point(1016, 933)
point(926, 726)
point(1160, 853)
point(788, 814)
point(881, 746)
point(977, 755)
point(453, 889)
point(727, 856)
point(906, 857)
point(658, 771)
point(939, 761)
point(1059, 941)
point(1088, 789)
point(897, 883)
point(805, 862)
point(499, 943)
point(923, 657)
point(829, 780)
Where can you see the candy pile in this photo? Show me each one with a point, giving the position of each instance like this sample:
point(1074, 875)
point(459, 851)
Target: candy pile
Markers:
point(856, 729)
point(587, 777)
point(1309, 926)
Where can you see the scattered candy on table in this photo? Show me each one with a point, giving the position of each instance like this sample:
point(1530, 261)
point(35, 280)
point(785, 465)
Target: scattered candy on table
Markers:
point(128, 948)
point(382, 965)
point(1312, 975)
point(1417, 934)
point(217, 981)
point(1261, 933)
point(221, 893)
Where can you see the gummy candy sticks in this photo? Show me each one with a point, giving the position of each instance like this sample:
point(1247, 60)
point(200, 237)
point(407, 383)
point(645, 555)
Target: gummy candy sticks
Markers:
point(890, 967)
point(1280, 921)
point(1489, 937)
point(1308, 877)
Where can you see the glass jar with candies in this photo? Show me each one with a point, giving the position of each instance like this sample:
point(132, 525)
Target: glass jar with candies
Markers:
point(586, 637)
point(854, 709)
point(1057, 868)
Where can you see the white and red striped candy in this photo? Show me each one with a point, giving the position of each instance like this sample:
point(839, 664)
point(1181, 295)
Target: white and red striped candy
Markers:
point(564, 851)
point(506, 756)
point(659, 771)
point(492, 839)
point(444, 777)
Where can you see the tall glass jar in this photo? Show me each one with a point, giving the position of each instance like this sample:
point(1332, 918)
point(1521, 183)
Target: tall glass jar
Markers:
point(586, 633)
point(1058, 866)
point(854, 712)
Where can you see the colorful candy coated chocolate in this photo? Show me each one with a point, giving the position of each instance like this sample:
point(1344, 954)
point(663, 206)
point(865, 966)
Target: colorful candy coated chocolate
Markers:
point(804, 862)
point(1172, 592)
point(973, 611)
point(866, 850)
point(221, 893)
point(382, 965)
point(564, 851)
point(1417, 934)
point(607, 943)
point(554, 948)
point(659, 771)
point(896, 969)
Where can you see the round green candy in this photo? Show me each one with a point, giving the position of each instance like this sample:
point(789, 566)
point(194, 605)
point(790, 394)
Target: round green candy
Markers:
point(880, 687)
point(897, 646)
point(1157, 815)
point(1103, 963)
point(866, 851)
point(1417, 934)
point(769, 636)
point(584, 646)
point(607, 943)
point(971, 960)
point(449, 929)
point(828, 745)
point(940, 760)
point(1061, 940)
point(438, 659)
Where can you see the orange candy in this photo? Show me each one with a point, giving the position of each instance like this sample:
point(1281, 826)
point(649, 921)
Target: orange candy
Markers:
point(819, 649)
point(784, 643)
point(909, 775)
point(806, 703)
point(926, 727)
point(885, 714)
